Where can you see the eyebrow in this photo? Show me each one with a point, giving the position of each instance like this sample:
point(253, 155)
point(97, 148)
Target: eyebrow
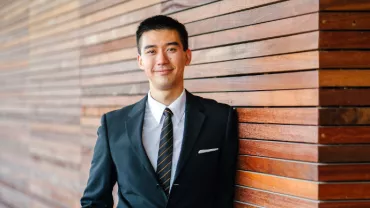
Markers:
point(167, 44)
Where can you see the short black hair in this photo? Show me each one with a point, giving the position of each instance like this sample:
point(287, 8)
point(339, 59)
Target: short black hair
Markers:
point(162, 22)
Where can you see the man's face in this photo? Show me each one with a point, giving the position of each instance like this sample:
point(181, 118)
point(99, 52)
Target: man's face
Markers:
point(163, 59)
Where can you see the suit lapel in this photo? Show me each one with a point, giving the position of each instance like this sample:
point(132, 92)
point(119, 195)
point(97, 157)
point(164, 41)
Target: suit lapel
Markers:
point(194, 118)
point(134, 126)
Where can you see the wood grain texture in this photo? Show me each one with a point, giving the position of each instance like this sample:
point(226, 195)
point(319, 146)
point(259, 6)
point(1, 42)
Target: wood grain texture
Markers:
point(173, 6)
point(274, 46)
point(123, 66)
point(307, 97)
point(109, 46)
point(291, 169)
point(218, 8)
point(305, 170)
point(277, 63)
point(297, 71)
point(120, 20)
point(256, 32)
point(344, 204)
point(344, 135)
point(282, 150)
point(109, 12)
point(53, 21)
point(344, 78)
point(348, 172)
point(344, 191)
point(344, 59)
point(264, 198)
point(344, 5)
point(252, 16)
point(298, 80)
point(344, 97)
point(344, 21)
point(344, 40)
point(294, 187)
point(305, 116)
point(305, 152)
point(344, 153)
point(99, 5)
point(345, 116)
point(291, 133)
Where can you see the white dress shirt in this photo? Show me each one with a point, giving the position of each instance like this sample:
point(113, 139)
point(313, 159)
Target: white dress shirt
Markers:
point(153, 121)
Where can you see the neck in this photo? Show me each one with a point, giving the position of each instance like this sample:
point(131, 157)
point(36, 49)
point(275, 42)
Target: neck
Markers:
point(166, 97)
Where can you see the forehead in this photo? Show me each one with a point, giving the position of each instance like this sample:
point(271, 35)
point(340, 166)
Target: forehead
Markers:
point(159, 37)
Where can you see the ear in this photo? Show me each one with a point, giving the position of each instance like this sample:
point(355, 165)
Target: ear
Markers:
point(140, 61)
point(188, 57)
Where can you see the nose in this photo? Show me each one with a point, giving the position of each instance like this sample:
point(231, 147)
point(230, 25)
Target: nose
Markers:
point(162, 58)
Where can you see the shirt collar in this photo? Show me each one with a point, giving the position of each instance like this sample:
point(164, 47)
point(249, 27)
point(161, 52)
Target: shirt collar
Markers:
point(177, 107)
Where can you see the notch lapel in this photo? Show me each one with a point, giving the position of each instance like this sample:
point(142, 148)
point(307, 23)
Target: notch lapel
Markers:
point(134, 126)
point(194, 119)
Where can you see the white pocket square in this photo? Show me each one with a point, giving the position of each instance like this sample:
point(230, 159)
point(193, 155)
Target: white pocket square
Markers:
point(207, 150)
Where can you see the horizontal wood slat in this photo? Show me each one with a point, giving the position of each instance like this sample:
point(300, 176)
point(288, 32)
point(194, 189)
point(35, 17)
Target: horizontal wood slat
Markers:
point(297, 71)
point(291, 133)
point(343, 5)
point(300, 188)
point(344, 21)
point(252, 16)
point(303, 116)
point(345, 97)
point(268, 199)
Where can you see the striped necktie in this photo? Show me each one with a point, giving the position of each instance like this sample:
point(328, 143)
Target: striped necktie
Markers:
point(164, 162)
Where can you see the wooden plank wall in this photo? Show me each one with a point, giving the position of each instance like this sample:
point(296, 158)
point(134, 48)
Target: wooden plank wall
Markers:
point(297, 71)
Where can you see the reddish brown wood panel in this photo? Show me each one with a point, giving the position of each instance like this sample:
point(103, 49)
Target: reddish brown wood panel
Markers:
point(286, 168)
point(300, 188)
point(344, 21)
point(344, 78)
point(252, 16)
point(172, 6)
point(344, 97)
point(122, 43)
point(345, 40)
point(344, 135)
point(348, 172)
point(345, 116)
point(282, 150)
point(297, 80)
point(344, 5)
point(268, 199)
point(303, 116)
point(344, 59)
point(344, 153)
point(290, 133)
point(347, 191)
point(296, 70)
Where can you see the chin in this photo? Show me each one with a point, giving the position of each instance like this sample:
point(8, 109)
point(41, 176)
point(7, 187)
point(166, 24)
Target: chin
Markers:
point(164, 86)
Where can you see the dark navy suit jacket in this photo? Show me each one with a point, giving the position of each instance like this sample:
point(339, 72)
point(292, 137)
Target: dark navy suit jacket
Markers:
point(202, 180)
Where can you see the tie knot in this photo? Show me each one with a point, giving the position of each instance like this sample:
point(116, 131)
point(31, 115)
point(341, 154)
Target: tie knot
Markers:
point(167, 112)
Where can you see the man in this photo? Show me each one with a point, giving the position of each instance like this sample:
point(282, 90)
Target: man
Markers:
point(171, 149)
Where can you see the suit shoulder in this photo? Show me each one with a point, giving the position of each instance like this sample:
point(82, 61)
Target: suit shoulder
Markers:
point(119, 113)
point(213, 104)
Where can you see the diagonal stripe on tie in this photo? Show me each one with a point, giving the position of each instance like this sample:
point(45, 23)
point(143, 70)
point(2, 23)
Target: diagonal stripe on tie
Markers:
point(164, 159)
point(165, 152)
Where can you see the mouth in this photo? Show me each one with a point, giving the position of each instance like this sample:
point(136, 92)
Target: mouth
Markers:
point(163, 71)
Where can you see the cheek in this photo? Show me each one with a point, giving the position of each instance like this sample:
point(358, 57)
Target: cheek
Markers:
point(147, 64)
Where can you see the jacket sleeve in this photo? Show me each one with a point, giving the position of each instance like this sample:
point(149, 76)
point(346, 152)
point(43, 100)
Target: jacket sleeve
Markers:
point(103, 176)
point(228, 160)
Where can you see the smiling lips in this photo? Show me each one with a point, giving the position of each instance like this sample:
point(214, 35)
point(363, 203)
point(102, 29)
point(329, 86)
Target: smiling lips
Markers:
point(163, 71)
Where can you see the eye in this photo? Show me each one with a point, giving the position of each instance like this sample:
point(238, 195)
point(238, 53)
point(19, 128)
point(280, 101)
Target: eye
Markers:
point(171, 49)
point(150, 52)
